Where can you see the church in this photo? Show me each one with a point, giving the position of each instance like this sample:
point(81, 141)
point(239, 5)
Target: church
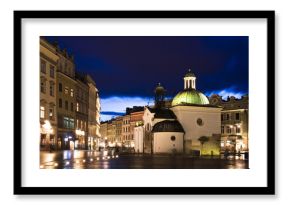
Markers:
point(189, 125)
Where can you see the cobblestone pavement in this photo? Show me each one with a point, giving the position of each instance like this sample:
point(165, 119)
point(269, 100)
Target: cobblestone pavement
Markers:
point(78, 159)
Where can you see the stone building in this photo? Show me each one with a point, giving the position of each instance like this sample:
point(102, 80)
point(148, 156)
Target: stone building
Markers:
point(234, 122)
point(126, 130)
point(93, 126)
point(66, 100)
point(82, 101)
point(136, 119)
point(118, 121)
point(48, 118)
point(111, 137)
point(69, 103)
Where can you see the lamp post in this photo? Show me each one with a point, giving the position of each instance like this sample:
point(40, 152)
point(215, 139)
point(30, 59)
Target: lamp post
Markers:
point(48, 130)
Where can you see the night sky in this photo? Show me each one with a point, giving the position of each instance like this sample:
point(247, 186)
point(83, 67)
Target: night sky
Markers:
point(131, 66)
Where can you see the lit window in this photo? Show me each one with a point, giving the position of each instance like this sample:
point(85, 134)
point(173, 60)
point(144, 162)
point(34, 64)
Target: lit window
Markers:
point(66, 122)
point(71, 123)
point(77, 124)
point(78, 107)
point(71, 92)
point(42, 112)
point(66, 90)
point(50, 112)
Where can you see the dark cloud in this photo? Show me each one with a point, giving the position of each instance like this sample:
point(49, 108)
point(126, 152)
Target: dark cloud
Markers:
point(132, 66)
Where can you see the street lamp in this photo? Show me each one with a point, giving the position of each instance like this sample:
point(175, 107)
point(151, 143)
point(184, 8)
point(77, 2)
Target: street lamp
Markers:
point(47, 130)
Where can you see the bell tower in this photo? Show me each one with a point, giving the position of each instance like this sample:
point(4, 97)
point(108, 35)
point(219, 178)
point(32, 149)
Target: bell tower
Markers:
point(189, 80)
point(159, 96)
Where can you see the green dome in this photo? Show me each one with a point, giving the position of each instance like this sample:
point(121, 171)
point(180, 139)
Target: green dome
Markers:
point(190, 96)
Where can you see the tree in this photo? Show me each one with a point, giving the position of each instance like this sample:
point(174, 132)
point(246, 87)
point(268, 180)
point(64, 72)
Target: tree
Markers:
point(202, 140)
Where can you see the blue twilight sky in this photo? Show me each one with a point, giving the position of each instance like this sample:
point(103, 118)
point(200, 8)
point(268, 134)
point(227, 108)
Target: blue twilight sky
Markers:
point(126, 69)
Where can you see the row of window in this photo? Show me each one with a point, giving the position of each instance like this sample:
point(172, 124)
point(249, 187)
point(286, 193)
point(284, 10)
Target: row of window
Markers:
point(43, 87)
point(81, 125)
point(43, 68)
point(230, 129)
point(126, 129)
point(66, 90)
point(64, 67)
point(66, 105)
point(126, 122)
point(128, 137)
point(227, 116)
point(81, 108)
point(68, 123)
point(43, 112)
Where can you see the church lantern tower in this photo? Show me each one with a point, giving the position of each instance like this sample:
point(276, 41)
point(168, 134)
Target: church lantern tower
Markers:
point(189, 80)
point(159, 96)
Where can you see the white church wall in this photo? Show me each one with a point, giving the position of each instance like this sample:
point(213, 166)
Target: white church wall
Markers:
point(138, 139)
point(188, 116)
point(162, 142)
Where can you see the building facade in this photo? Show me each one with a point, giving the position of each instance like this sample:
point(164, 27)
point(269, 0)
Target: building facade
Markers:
point(69, 104)
point(66, 101)
point(118, 121)
point(93, 139)
point(136, 119)
point(126, 130)
point(82, 101)
point(234, 122)
point(111, 137)
point(48, 118)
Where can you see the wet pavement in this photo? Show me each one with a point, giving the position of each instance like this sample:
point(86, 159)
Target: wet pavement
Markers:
point(79, 159)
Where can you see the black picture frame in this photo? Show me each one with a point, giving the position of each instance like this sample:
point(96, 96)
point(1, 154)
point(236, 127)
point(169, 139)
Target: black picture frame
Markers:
point(268, 190)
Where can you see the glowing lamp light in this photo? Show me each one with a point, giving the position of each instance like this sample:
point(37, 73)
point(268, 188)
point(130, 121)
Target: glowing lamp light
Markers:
point(80, 132)
point(47, 127)
point(55, 164)
point(41, 166)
